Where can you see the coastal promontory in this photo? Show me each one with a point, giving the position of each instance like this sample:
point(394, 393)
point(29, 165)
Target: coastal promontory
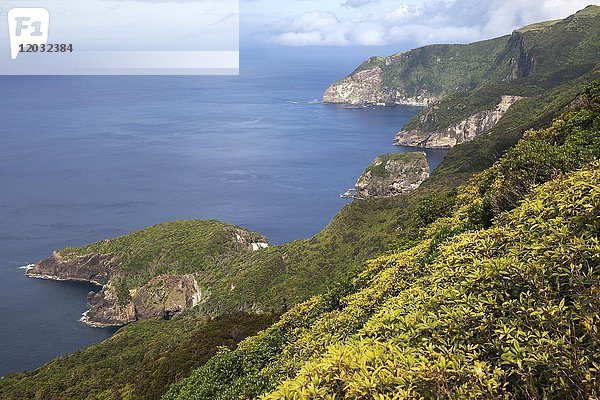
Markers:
point(393, 174)
point(155, 272)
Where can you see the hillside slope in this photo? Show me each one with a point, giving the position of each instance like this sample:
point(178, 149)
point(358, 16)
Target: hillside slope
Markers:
point(155, 272)
point(498, 300)
point(280, 276)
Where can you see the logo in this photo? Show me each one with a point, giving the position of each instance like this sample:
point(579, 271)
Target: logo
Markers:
point(27, 26)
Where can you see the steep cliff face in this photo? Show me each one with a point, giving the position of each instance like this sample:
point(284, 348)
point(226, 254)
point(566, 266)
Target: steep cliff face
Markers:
point(392, 175)
point(365, 88)
point(164, 296)
point(106, 309)
point(360, 88)
point(460, 132)
point(156, 272)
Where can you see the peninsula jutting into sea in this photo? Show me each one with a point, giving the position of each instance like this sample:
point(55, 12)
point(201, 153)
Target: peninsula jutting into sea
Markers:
point(473, 277)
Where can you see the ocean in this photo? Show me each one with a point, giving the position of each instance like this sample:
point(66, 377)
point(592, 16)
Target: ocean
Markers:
point(88, 158)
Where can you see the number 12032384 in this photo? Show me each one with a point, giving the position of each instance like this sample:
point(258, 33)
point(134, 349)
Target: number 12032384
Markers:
point(46, 48)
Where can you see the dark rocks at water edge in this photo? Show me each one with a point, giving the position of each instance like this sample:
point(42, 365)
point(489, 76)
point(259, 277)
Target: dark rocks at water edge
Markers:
point(93, 268)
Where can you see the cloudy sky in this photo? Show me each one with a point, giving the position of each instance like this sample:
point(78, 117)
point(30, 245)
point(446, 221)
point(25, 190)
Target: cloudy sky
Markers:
point(393, 22)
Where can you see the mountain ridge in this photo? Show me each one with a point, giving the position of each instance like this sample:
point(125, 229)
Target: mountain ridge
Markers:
point(458, 82)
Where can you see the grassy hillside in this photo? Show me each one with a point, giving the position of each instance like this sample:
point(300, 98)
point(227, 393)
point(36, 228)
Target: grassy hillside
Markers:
point(203, 248)
point(273, 279)
point(534, 60)
point(534, 112)
point(499, 299)
point(283, 275)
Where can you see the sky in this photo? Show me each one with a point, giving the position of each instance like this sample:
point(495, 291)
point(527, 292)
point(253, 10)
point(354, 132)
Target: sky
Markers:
point(213, 24)
point(137, 24)
point(404, 23)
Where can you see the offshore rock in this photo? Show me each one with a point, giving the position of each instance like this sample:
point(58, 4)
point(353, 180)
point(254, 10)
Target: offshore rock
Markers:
point(392, 175)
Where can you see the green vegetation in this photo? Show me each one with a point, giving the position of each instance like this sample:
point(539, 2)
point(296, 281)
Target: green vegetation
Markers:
point(419, 224)
point(472, 78)
point(498, 299)
point(377, 168)
point(477, 284)
point(463, 161)
point(178, 247)
point(273, 279)
point(140, 361)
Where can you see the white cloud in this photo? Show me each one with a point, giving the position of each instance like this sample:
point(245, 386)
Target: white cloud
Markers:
point(400, 13)
point(435, 21)
point(324, 28)
point(359, 3)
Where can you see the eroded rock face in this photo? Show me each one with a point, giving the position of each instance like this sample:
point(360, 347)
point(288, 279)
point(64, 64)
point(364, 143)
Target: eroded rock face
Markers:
point(463, 131)
point(106, 310)
point(164, 296)
point(365, 88)
point(253, 242)
point(94, 268)
point(359, 88)
point(392, 175)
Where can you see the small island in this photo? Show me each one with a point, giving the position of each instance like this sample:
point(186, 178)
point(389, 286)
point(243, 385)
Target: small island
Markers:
point(393, 174)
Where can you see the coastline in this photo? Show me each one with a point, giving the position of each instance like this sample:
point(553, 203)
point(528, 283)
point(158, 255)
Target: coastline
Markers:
point(59, 279)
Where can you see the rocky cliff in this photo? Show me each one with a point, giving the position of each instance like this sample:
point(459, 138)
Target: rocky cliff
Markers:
point(365, 88)
point(392, 175)
point(459, 132)
point(141, 279)
point(93, 268)
point(164, 296)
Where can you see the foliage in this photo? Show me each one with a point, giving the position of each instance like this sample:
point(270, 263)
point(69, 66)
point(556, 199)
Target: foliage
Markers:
point(388, 253)
point(140, 361)
point(433, 207)
point(494, 302)
point(178, 247)
point(510, 311)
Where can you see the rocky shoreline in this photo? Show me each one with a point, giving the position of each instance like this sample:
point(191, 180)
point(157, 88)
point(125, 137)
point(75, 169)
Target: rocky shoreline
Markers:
point(58, 279)
point(364, 88)
point(164, 296)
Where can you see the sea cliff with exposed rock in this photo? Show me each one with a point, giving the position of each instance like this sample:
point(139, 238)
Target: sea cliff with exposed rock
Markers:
point(392, 175)
point(131, 290)
point(364, 88)
point(466, 89)
point(459, 132)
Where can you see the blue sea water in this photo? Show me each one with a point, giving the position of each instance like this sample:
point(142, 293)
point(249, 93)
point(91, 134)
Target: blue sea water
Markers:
point(86, 158)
